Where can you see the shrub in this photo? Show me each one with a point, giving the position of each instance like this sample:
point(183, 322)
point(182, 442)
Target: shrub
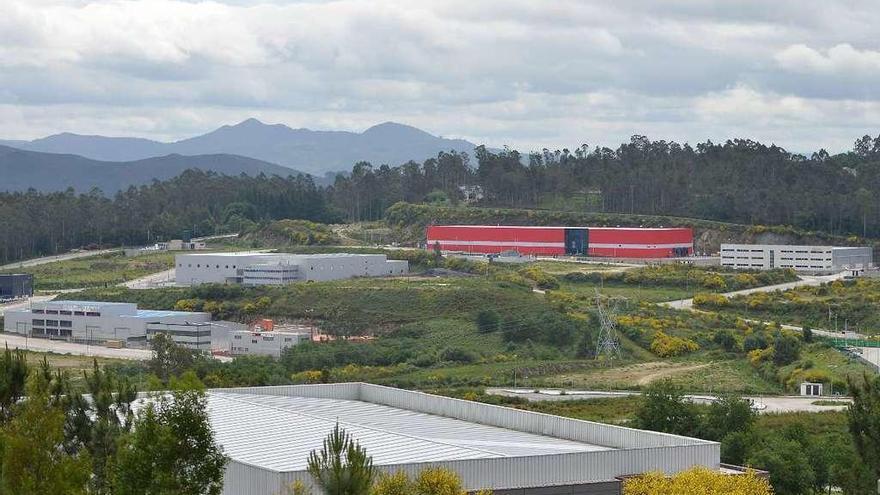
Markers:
point(710, 300)
point(725, 340)
point(457, 355)
point(541, 278)
point(665, 345)
point(755, 341)
point(697, 480)
point(787, 348)
point(488, 321)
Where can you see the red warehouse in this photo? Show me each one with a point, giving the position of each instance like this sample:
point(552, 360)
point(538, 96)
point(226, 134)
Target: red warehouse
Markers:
point(619, 242)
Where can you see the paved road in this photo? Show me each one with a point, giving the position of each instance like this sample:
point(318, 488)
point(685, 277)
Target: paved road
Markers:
point(805, 280)
point(763, 404)
point(52, 259)
point(61, 347)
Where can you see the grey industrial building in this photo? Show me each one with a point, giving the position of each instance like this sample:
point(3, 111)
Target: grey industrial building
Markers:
point(280, 268)
point(268, 432)
point(806, 259)
point(16, 285)
point(98, 322)
point(265, 343)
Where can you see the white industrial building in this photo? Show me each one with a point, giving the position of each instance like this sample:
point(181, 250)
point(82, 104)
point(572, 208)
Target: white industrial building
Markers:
point(261, 342)
point(807, 259)
point(280, 268)
point(268, 432)
point(100, 322)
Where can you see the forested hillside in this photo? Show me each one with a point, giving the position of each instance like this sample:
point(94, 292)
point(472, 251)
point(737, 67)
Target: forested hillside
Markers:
point(822, 197)
point(738, 181)
point(34, 223)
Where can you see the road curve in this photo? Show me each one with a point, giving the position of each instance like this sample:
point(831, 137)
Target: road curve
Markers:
point(805, 280)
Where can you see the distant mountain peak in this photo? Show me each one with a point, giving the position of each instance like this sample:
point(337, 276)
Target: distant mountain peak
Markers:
point(251, 122)
point(313, 151)
point(395, 129)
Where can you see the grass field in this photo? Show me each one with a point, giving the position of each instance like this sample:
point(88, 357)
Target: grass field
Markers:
point(97, 271)
point(634, 293)
point(74, 366)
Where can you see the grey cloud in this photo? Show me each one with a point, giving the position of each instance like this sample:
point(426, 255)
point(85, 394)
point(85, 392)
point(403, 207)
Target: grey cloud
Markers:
point(528, 73)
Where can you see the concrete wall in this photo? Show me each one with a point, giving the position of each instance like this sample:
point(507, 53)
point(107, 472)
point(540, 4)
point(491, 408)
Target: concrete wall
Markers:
point(280, 268)
point(807, 259)
point(116, 321)
point(852, 257)
point(219, 268)
point(247, 343)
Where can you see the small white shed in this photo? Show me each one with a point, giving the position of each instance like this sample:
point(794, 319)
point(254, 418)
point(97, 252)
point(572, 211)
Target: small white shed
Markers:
point(811, 389)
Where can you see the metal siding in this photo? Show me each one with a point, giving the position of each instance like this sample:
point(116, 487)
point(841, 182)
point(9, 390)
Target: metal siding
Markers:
point(547, 241)
point(504, 417)
point(640, 451)
point(244, 479)
point(577, 468)
point(550, 241)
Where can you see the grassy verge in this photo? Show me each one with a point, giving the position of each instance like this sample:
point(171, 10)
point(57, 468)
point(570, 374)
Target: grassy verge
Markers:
point(97, 271)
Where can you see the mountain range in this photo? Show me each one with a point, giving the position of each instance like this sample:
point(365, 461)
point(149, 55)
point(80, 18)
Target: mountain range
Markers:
point(314, 152)
point(21, 169)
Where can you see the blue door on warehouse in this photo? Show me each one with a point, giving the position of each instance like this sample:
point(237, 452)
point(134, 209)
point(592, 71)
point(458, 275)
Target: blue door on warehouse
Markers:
point(576, 242)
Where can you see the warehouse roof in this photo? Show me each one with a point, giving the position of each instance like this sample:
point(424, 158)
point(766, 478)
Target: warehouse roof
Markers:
point(278, 432)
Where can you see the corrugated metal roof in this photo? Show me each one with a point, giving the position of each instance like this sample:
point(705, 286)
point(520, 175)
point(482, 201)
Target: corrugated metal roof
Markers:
point(278, 432)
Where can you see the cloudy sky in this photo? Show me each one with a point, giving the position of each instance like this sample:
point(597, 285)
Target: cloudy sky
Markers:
point(804, 74)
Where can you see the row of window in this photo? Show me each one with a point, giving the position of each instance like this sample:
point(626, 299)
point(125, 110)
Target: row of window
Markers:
point(199, 265)
point(266, 338)
point(64, 312)
point(52, 323)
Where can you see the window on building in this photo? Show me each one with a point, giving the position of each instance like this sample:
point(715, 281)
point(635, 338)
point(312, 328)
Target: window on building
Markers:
point(38, 322)
point(79, 313)
point(37, 311)
point(237, 337)
point(254, 341)
point(66, 313)
point(51, 311)
point(92, 313)
point(65, 323)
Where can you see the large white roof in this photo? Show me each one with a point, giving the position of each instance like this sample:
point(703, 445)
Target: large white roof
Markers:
point(278, 432)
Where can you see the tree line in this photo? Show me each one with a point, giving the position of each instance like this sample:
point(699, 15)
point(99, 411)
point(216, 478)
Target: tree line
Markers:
point(739, 181)
point(36, 223)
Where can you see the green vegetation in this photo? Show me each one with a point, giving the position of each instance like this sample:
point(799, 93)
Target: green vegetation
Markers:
point(55, 440)
point(715, 279)
point(290, 233)
point(35, 224)
point(855, 303)
point(342, 466)
point(97, 271)
point(806, 453)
